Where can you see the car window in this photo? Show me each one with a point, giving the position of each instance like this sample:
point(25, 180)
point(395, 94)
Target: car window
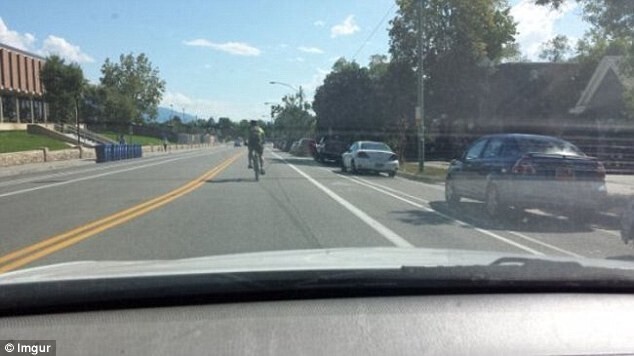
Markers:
point(548, 145)
point(374, 146)
point(475, 150)
point(493, 148)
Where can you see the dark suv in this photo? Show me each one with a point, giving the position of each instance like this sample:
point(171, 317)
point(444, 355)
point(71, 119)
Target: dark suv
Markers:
point(527, 171)
point(330, 148)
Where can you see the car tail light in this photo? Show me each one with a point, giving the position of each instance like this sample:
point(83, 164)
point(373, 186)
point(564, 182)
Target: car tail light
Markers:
point(600, 170)
point(524, 166)
point(362, 155)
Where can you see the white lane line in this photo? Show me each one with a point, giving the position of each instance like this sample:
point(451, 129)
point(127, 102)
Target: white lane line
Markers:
point(82, 171)
point(515, 233)
point(22, 191)
point(449, 218)
point(377, 226)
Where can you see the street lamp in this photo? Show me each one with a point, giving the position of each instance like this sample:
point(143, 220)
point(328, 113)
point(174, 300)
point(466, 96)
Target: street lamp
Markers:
point(284, 84)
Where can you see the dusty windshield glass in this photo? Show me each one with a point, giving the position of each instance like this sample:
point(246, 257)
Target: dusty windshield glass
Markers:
point(279, 131)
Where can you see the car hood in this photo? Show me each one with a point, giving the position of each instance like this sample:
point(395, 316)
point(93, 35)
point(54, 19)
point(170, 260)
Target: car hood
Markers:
point(278, 261)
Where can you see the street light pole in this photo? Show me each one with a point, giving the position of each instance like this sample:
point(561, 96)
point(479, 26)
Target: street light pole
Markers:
point(420, 109)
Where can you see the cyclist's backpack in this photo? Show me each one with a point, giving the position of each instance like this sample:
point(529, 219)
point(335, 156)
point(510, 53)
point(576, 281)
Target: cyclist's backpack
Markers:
point(255, 138)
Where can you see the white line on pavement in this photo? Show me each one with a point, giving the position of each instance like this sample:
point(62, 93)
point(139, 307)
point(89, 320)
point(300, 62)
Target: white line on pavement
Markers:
point(118, 164)
point(522, 236)
point(22, 191)
point(377, 226)
point(460, 222)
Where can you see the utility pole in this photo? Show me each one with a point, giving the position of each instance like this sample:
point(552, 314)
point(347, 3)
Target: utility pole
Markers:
point(420, 108)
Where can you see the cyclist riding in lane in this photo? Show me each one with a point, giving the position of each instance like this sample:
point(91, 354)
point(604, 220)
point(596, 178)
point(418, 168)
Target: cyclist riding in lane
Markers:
point(256, 143)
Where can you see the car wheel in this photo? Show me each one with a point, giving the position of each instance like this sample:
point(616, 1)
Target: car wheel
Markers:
point(392, 174)
point(353, 167)
point(494, 206)
point(451, 197)
point(626, 230)
point(343, 167)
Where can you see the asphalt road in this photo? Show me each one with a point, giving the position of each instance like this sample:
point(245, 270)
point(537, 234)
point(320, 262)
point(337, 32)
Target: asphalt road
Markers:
point(206, 202)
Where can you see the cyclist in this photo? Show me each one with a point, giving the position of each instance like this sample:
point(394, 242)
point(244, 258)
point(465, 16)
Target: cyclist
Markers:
point(256, 143)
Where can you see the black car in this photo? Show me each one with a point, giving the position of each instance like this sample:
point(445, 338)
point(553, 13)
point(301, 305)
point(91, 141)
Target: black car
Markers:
point(527, 171)
point(330, 148)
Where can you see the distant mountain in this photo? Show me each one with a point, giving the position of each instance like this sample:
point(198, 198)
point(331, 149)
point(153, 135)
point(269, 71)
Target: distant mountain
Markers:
point(164, 114)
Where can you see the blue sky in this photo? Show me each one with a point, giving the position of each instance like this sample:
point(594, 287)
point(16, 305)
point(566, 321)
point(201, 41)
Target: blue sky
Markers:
point(218, 57)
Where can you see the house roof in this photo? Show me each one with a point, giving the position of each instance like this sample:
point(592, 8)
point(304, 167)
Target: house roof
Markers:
point(535, 90)
point(608, 65)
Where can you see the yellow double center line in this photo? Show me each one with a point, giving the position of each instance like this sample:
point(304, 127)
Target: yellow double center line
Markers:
point(52, 244)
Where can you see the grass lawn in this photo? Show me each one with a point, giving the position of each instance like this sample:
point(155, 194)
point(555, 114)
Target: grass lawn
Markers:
point(134, 139)
point(430, 175)
point(15, 141)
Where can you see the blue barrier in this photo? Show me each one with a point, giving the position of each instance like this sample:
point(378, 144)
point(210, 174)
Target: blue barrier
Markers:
point(107, 152)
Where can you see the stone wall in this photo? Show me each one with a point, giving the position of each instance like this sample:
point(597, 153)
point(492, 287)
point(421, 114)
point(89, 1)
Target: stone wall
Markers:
point(44, 155)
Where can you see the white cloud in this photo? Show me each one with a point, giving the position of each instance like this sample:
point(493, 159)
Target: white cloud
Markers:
point(346, 28)
point(536, 24)
point(61, 47)
point(14, 38)
point(319, 23)
point(313, 50)
point(204, 107)
point(51, 45)
point(236, 48)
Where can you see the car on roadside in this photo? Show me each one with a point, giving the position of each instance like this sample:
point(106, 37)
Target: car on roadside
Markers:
point(237, 143)
point(330, 148)
point(303, 147)
point(370, 156)
point(527, 171)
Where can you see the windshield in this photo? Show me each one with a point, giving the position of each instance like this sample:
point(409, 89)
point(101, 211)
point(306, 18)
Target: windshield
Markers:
point(168, 131)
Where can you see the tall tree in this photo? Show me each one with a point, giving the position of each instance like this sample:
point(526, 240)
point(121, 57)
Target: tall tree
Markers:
point(133, 89)
point(64, 85)
point(346, 100)
point(556, 50)
point(293, 120)
point(458, 35)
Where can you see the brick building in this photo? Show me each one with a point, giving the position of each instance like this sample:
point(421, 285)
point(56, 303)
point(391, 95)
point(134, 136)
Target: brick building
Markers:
point(21, 90)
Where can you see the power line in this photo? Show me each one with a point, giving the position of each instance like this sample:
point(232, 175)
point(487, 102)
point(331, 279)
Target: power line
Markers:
point(376, 28)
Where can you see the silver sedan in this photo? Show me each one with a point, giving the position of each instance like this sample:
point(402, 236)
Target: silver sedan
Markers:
point(370, 156)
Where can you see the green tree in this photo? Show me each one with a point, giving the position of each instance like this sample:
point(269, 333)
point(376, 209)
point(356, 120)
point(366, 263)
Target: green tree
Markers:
point(556, 50)
point(133, 89)
point(458, 35)
point(64, 85)
point(293, 120)
point(346, 101)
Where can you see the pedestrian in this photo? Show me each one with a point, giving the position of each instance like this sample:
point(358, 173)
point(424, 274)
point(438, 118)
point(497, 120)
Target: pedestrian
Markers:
point(164, 143)
point(121, 139)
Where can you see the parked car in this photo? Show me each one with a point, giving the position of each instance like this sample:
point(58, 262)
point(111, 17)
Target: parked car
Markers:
point(303, 147)
point(293, 147)
point(330, 148)
point(527, 171)
point(237, 143)
point(370, 156)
